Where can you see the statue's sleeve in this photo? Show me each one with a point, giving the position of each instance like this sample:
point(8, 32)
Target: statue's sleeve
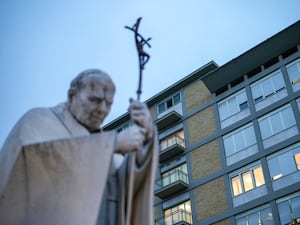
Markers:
point(137, 180)
point(58, 182)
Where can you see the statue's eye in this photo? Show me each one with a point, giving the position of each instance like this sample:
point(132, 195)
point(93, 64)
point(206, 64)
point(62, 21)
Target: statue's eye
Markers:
point(93, 99)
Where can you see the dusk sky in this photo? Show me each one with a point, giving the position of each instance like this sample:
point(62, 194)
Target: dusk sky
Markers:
point(45, 44)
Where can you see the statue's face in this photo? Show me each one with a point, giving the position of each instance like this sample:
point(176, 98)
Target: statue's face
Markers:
point(92, 103)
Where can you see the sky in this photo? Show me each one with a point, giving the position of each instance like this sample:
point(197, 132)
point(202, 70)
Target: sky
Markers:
point(45, 44)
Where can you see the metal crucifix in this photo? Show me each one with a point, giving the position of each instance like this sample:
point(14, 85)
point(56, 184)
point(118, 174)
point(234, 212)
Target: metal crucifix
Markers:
point(144, 57)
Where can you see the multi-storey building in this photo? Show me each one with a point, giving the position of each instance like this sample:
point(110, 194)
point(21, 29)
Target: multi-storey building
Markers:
point(229, 139)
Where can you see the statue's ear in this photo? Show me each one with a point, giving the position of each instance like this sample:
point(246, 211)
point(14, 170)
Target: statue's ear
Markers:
point(71, 94)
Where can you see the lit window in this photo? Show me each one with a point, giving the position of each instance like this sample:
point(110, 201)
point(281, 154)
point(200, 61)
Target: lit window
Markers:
point(233, 105)
point(239, 140)
point(276, 121)
point(247, 180)
point(267, 86)
point(179, 213)
point(168, 103)
point(297, 160)
point(236, 185)
point(284, 162)
point(293, 70)
point(176, 138)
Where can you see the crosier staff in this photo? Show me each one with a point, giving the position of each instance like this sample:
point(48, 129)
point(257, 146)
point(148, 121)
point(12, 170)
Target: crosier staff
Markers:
point(144, 57)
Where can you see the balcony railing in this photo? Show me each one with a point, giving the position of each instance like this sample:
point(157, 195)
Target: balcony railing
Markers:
point(171, 147)
point(174, 182)
point(177, 218)
point(168, 119)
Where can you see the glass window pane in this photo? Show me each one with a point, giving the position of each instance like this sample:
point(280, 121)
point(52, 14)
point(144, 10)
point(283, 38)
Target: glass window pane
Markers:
point(295, 202)
point(294, 72)
point(267, 87)
point(265, 128)
point(236, 185)
point(239, 141)
point(286, 163)
point(247, 180)
point(258, 176)
point(276, 123)
point(223, 111)
point(297, 160)
point(242, 221)
point(274, 168)
point(278, 81)
point(161, 107)
point(169, 103)
point(250, 136)
point(266, 216)
point(229, 146)
point(241, 97)
point(232, 106)
point(253, 219)
point(284, 212)
point(288, 117)
point(176, 98)
point(257, 93)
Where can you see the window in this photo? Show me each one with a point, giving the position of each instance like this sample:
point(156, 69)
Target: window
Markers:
point(168, 103)
point(177, 174)
point(268, 86)
point(247, 180)
point(260, 216)
point(239, 140)
point(179, 213)
point(233, 105)
point(276, 121)
point(293, 70)
point(123, 126)
point(176, 138)
point(285, 162)
point(289, 209)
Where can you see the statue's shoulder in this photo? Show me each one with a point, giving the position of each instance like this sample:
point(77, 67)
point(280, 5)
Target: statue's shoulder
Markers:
point(43, 112)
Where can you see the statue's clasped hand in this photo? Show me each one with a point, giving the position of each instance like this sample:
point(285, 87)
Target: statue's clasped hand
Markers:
point(132, 138)
point(140, 115)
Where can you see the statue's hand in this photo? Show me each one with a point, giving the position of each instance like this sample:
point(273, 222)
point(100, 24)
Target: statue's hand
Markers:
point(140, 115)
point(130, 139)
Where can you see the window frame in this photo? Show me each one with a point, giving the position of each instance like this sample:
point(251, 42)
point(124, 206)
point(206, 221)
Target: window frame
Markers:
point(240, 106)
point(291, 149)
point(163, 105)
point(260, 85)
point(239, 174)
point(268, 117)
point(297, 80)
point(232, 134)
point(175, 138)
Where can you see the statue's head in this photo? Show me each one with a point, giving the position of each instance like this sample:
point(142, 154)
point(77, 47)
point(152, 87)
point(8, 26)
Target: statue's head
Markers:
point(90, 97)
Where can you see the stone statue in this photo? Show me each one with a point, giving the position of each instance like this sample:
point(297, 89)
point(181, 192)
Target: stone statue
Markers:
point(58, 167)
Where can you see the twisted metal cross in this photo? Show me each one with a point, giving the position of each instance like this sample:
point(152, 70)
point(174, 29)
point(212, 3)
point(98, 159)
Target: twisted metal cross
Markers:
point(144, 57)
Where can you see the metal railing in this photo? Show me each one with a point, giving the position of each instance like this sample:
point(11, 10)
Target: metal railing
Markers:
point(172, 177)
point(172, 141)
point(175, 217)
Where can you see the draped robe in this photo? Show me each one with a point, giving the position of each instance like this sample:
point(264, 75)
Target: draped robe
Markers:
point(53, 171)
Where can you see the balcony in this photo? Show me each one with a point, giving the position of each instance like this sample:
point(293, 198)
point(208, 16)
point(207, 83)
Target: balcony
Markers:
point(172, 183)
point(180, 217)
point(169, 117)
point(171, 148)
